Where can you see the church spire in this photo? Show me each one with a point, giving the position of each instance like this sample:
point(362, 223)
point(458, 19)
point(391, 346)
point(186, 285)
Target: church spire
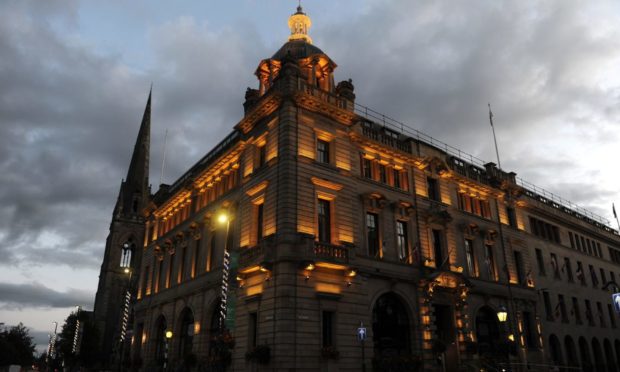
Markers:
point(299, 23)
point(135, 188)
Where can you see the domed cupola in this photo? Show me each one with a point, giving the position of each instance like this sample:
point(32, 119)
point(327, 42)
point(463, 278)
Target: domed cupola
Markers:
point(314, 65)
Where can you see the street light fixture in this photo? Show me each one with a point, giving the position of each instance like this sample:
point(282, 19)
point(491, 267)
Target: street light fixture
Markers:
point(168, 335)
point(502, 314)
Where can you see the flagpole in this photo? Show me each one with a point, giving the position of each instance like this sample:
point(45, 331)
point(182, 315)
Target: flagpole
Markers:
point(499, 165)
point(613, 207)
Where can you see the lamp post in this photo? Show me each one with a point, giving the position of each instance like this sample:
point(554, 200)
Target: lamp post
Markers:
point(167, 341)
point(126, 266)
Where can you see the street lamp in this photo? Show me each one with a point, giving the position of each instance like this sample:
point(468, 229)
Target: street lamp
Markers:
point(502, 314)
point(168, 336)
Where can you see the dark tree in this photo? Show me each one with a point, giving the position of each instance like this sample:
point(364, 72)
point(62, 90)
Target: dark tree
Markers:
point(16, 346)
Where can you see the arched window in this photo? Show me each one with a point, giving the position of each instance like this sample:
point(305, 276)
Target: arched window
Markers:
point(599, 361)
point(609, 356)
point(556, 350)
point(127, 249)
point(571, 352)
point(584, 352)
point(186, 333)
point(390, 327)
point(160, 340)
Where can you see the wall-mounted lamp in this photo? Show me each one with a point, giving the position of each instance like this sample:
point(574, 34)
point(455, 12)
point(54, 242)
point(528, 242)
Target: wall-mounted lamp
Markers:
point(168, 334)
point(502, 314)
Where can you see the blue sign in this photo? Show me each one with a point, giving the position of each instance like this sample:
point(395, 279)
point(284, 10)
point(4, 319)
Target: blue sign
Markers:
point(616, 300)
point(361, 333)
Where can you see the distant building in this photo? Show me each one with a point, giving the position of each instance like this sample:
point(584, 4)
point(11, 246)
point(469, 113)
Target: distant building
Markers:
point(339, 221)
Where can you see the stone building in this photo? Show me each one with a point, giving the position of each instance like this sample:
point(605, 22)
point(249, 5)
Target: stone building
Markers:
point(329, 219)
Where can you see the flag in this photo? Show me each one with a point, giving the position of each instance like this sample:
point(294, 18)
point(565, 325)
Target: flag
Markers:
point(613, 208)
point(490, 115)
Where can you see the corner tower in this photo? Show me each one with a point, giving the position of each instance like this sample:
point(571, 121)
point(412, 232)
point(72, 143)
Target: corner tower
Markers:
point(123, 251)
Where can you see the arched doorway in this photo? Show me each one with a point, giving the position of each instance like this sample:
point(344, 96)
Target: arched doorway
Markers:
point(609, 356)
point(599, 361)
point(391, 332)
point(160, 340)
point(584, 352)
point(617, 347)
point(186, 333)
point(488, 334)
point(571, 352)
point(556, 350)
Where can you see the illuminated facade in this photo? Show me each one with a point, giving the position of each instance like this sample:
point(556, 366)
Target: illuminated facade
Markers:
point(338, 219)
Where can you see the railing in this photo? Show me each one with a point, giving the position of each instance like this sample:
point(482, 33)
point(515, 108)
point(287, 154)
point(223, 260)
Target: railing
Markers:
point(317, 92)
point(330, 252)
point(534, 191)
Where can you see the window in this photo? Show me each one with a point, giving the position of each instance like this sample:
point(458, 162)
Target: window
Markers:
point(601, 317)
point(541, 262)
point(438, 248)
point(512, 216)
point(322, 151)
point(554, 266)
point(562, 308)
point(579, 273)
point(589, 314)
point(259, 222)
point(490, 262)
point(402, 241)
point(432, 188)
point(181, 270)
point(145, 279)
point(170, 267)
point(196, 258)
point(211, 253)
point(614, 254)
point(327, 323)
point(612, 317)
point(528, 329)
point(382, 173)
point(547, 302)
point(252, 330)
point(157, 281)
point(324, 221)
point(470, 258)
point(572, 241)
point(519, 267)
point(396, 178)
point(576, 311)
point(569, 269)
point(367, 168)
point(262, 155)
point(593, 275)
point(474, 205)
point(372, 234)
point(603, 277)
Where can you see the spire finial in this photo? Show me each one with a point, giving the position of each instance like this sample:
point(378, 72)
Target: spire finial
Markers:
point(299, 23)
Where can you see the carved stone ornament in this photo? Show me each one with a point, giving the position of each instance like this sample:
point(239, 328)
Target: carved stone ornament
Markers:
point(158, 253)
point(470, 229)
point(489, 236)
point(439, 216)
point(170, 248)
point(374, 200)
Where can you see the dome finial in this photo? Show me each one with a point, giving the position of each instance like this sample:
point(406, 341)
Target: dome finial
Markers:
point(299, 23)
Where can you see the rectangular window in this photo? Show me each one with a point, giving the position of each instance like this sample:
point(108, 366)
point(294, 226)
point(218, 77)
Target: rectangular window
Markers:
point(490, 262)
point(145, 280)
point(327, 322)
point(262, 155)
point(432, 188)
point(603, 277)
point(259, 222)
point(545, 230)
point(382, 173)
point(554, 266)
point(601, 316)
point(580, 274)
point(322, 151)
point(372, 234)
point(367, 168)
point(196, 258)
point(563, 313)
point(576, 311)
point(396, 178)
point(402, 241)
point(438, 248)
point(540, 261)
point(470, 257)
point(211, 253)
point(170, 268)
point(512, 216)
point(593, 276)
point(568, 268)
point(612, 316)
point(547, 302)
point(519, 267)
point(589, 314)
point(252, 330)
point(181, 270)
point(589, 246)
point(528, 329)
point(572, 241)
point(324, 221)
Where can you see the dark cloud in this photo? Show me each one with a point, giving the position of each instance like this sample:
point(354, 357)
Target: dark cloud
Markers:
point(35, 294)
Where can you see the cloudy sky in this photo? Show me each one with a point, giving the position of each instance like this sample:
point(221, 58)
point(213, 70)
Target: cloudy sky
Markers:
point(74, 78)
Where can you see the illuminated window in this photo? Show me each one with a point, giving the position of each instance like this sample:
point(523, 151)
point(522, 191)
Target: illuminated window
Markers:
point(372, 234)
point(396, 178)
point(324, 221)
point(367, 168)
point(322, 151)
point(401, 240)
point(470, 257)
